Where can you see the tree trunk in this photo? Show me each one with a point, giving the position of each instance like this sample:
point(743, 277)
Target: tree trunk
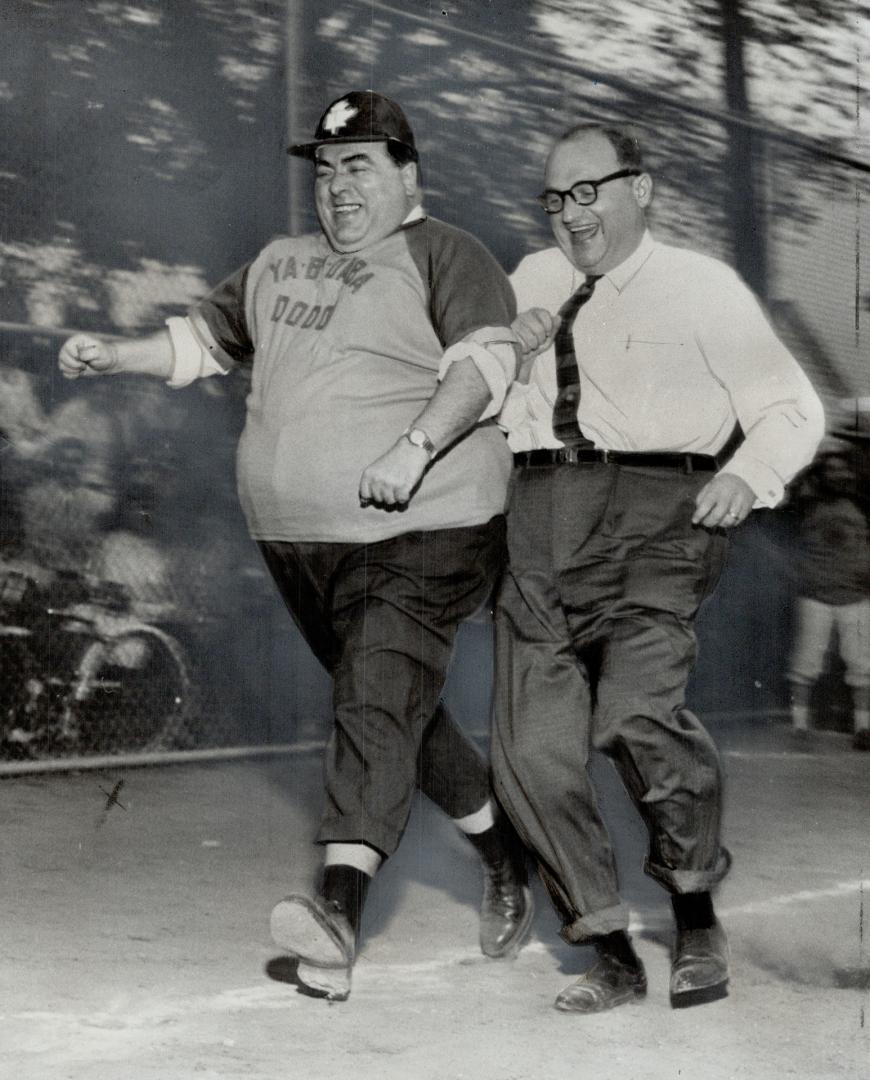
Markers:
point(746, 208)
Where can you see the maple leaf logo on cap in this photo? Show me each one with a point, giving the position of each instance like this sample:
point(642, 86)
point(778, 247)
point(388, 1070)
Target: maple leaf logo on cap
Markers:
point(338, 116)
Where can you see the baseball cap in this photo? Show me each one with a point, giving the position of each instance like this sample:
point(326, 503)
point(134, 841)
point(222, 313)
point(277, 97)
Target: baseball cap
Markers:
point(360, 116)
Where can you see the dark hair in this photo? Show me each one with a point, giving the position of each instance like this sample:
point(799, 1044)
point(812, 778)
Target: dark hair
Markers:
point(621, 138)
point(402, 154)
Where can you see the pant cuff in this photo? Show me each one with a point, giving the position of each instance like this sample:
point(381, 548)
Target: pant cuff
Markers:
point(374, 834)
point(689, 881)
point(594, 924)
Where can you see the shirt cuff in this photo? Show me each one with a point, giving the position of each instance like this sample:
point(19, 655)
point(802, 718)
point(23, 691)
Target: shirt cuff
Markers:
point(492, 350)
point(766, 484)
point(190, 359)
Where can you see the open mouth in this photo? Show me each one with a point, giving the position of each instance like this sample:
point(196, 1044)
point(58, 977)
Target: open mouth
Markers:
point(346, 208)
point(583, 232)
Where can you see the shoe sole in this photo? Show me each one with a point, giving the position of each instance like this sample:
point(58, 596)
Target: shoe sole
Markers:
point(630, 997)
point(515, 943)
point(330, 983)
point(301, 928)
point(703, 995)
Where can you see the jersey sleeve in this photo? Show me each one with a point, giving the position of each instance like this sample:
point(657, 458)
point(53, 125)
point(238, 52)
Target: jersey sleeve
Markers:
point(471, 304)
point(220, 321)
point(467, 288)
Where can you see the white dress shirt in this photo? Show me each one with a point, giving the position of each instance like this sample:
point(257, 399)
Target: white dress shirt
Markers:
point(673, 349)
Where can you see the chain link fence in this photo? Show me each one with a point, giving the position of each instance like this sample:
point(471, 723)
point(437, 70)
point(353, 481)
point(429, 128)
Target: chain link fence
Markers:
point(144, 159)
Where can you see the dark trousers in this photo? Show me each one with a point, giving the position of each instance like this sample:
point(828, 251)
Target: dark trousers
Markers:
point(382, 619)
point(594, 647)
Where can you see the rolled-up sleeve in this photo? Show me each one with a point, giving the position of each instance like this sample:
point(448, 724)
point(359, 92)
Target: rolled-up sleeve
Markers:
point(492, 350)
point(191, 357)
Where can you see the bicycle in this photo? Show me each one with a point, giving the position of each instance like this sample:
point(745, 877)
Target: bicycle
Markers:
point(85, 673)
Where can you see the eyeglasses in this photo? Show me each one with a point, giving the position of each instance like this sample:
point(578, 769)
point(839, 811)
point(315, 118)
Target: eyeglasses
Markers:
point(584, 192)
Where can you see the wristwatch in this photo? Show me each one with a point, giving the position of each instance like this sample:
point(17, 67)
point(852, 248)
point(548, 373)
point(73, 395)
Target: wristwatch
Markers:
point(418, 437)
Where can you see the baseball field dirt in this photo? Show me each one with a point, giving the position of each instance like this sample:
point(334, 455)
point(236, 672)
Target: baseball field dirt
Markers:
point(136, 944)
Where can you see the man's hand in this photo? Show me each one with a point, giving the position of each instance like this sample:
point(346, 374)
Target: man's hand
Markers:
point(85, 355)
point(390, 481)
point(724, 502)
point(535, 330)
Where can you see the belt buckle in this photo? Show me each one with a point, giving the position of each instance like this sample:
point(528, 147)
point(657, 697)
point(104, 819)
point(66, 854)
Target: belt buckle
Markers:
point(605, 456)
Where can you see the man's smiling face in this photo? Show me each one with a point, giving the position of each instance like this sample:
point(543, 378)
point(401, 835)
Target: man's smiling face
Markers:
point(598, 237)
point(361, 194)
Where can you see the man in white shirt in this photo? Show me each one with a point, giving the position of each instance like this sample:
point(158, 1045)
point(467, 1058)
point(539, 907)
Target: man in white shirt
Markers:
point(652, 413)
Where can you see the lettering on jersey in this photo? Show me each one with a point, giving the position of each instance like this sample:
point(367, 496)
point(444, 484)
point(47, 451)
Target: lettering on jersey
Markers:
point(346, 268)
point(358, 283)
point(281, 272)
point(305, 316)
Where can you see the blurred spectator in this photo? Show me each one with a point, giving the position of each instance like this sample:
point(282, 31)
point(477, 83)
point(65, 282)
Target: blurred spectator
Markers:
point(833, 573)
point(63, 508)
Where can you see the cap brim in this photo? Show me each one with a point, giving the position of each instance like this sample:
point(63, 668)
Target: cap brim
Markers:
point(307, 150)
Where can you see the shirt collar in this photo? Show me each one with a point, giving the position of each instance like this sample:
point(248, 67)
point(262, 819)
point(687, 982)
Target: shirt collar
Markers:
point(417, 214)
point(621, 275)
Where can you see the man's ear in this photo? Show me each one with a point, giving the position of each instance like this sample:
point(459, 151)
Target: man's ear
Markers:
point(643, 190)
point(410, 178)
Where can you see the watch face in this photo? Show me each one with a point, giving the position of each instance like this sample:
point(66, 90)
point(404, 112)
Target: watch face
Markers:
point(418, 437)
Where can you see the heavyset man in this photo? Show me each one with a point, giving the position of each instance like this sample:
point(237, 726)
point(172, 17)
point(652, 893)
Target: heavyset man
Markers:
point(374, 482)
point(628, 471)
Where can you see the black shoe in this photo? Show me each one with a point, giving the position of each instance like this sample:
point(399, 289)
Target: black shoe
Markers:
point(505, 914)
point(506, 910)
point(323, 933)
point(608, 983)
point(321, 938)
point(861, 739)
point(699, 970)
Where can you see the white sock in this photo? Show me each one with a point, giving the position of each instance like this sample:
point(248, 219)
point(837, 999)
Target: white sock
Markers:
point(861, 707)
point(479, 821)
point(801, 699)
point(360, 856)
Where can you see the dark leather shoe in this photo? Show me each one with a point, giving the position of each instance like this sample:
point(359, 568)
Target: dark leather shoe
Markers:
point(505, 912)
point(605, 985)
point(321, 938)
point(699, 970)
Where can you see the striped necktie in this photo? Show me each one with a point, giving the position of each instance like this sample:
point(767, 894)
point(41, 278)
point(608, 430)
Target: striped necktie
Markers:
point(565, 425)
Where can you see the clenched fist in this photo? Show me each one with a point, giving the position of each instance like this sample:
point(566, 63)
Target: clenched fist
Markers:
point(391, 481)
point(85, 355)
point(535, 330)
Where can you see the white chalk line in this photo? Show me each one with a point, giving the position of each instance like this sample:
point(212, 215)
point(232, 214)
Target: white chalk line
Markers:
point(783, 755)
point(804, 896)
point(270, 995)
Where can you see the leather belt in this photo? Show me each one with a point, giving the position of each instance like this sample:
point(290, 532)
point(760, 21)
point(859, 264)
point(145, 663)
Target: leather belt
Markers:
point(566, 455)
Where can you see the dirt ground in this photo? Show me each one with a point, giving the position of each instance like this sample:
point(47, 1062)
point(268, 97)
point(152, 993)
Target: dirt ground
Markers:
point(135, 940)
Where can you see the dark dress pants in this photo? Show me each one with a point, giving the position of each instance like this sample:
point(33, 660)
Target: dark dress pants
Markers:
point(595, 645)
point(382, 619)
